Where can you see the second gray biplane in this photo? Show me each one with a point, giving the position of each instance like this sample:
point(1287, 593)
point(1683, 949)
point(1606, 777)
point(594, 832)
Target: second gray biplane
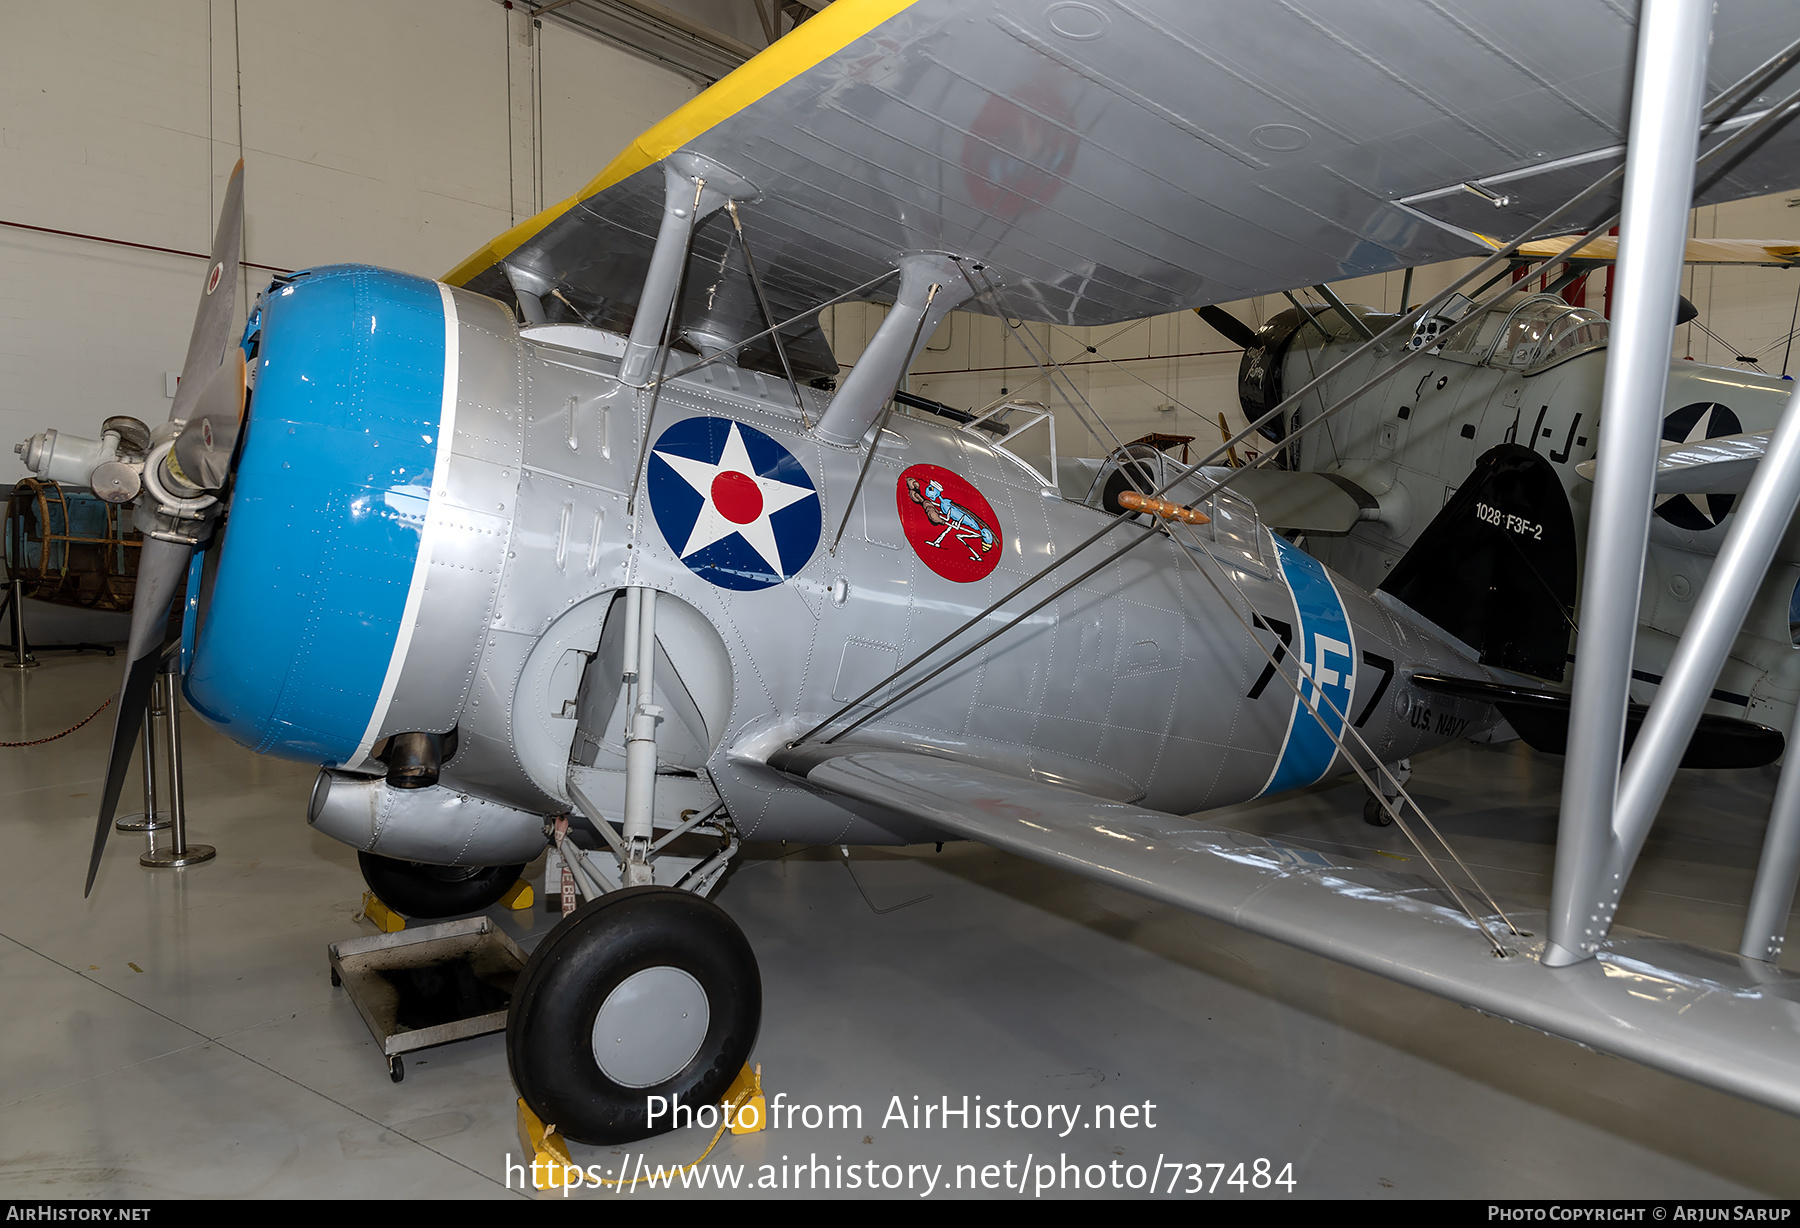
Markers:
point(582, 530)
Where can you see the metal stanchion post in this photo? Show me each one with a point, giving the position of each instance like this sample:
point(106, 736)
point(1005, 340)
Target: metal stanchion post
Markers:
point(180, 853)
point(150, 819)
point(15, 604)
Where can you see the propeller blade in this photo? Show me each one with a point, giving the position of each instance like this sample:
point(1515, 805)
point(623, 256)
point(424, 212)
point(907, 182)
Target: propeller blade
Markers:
point(162, 569)
point(1228, 326)
point(203, 449)
point(218, 302)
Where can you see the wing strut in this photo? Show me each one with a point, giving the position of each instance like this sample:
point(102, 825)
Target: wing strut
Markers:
point(685, 175)
point(931, 285)
point(762, 305)
point(1605, 813)
point(862, 474)
point(693, 189)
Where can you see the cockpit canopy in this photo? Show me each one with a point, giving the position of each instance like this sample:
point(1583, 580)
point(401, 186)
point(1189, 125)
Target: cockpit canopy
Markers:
point(1527, 336)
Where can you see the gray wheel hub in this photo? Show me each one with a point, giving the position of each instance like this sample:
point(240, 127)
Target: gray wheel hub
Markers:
point(650, 1026)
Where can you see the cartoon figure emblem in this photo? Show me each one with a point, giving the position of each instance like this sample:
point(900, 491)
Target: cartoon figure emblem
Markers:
point(950, 526)
point(733, 504)
point(1692, 424)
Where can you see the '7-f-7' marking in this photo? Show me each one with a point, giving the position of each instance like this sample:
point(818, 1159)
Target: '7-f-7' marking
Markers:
point(1323, 675)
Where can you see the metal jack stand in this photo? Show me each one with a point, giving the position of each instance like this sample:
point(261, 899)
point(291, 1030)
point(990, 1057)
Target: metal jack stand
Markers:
point(23, 658)
point(151, 819)
point(180, 852)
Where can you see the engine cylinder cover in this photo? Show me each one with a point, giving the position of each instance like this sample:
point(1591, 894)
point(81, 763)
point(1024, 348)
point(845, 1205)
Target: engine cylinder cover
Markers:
point(302, 605)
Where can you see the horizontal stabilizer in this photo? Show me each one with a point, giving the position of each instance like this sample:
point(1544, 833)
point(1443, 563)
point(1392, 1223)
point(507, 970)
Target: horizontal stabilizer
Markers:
point(1541, 717)
point(1319, 503)
point(1720, 1020)
point(1722, 465)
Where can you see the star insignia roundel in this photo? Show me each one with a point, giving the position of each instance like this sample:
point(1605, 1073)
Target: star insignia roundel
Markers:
point(1696, 423)
point(732, 503)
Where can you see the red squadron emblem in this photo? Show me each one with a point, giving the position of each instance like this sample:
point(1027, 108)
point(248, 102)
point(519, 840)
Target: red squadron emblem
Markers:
point(951, 527)
point(212, 278)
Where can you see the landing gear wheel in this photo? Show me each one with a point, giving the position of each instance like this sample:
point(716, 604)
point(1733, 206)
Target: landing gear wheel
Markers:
point(644, 992)
point(1375, 814)
point(427, 892)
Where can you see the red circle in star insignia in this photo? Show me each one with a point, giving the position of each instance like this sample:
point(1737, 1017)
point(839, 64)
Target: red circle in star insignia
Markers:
point(951, 527)
point(737, 497)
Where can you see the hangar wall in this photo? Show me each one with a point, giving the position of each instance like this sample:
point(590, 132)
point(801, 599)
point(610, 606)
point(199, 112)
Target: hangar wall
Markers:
point(404, 133)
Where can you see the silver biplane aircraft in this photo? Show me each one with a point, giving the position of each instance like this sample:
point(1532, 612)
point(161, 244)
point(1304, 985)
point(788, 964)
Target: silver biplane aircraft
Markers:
point(584, 531)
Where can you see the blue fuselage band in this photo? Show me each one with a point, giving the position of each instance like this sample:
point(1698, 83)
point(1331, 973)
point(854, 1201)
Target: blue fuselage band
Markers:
point(1326, 650)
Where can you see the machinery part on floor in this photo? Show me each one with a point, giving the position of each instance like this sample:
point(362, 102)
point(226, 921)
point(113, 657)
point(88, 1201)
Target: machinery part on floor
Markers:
point(166, 702)
point(646, 992)
point(519, 897)
point(426, 892)
point(73, 547)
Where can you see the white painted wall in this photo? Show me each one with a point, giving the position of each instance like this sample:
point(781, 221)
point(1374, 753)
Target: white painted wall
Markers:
point(373, 132)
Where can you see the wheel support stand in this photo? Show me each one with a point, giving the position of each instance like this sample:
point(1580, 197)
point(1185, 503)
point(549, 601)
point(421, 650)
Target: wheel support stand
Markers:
point(180, 852)
point(151, 819)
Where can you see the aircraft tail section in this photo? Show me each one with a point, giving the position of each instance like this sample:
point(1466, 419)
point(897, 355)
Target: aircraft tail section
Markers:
point(1496, 568)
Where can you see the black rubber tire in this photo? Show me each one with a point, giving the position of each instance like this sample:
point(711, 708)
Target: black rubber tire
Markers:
point(549, 1029)
point(414, 889)
point(1374, 813)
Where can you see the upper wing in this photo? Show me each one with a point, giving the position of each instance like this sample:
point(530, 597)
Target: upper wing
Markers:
point(1731, 1023)
point(1106, 160)
point(1772, 253)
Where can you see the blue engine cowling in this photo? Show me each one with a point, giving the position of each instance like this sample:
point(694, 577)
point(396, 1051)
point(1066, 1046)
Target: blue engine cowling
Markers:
point(302, 603)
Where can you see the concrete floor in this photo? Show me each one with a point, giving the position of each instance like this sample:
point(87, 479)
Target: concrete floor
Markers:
point(176, 1035)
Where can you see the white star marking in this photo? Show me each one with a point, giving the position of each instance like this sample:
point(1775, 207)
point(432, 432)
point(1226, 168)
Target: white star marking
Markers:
point(711, 526)
point(1700, 503)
